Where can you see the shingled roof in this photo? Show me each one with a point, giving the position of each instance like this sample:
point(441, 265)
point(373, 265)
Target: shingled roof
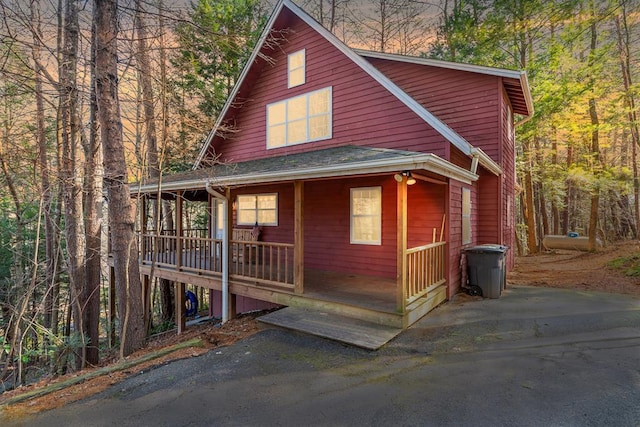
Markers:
point(347, 160)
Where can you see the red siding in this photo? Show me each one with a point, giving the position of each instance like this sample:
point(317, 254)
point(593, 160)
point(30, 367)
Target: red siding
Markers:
point(508, 216)
point(460, 159)
point(364, 113)
point(455, 236)
point(426, 206)
point(467, 102)
point(488, 208)
point(327, 222)
point(455, 231)
point(283, 233)
point(327, 228)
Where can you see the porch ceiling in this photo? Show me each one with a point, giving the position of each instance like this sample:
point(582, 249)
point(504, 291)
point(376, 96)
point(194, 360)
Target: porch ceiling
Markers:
point(326, 163)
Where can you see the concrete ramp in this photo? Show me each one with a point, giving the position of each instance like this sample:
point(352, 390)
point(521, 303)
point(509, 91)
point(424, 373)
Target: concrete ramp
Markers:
point(335, 327)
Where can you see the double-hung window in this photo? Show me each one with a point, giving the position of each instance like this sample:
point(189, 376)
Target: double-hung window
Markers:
point(258, 208)
point(366, 215)
point(300, 119)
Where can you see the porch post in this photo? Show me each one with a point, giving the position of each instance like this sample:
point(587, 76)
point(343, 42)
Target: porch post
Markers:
point(181, 322)
point(178, 230)
point(143, 227)
point(401, 239)
point(298, 238)
point(231, 298)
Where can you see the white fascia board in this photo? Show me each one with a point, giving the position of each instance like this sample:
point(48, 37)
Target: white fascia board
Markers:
point(428, 162)
point(479, 69)
point(236, 88)
point(528, 99)
point(487, 162)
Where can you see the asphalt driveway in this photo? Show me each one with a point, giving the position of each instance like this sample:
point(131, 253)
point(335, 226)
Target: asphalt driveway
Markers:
point(535, 357)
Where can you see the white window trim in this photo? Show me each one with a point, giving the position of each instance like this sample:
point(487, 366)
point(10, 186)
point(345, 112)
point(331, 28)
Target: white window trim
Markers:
point(303, 67)
point(308, 116)
point(256, 209)
point(351, 217)
point(466, 218)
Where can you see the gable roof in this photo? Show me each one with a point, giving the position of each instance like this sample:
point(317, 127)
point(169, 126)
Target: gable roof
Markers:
point(449, 134)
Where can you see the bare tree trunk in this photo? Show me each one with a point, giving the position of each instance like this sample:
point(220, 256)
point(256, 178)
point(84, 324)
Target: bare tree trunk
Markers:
point(121, 210)
point(166, 286)
point(93, 227)
point(624, 43)
point(70, 171)
point(43, 164)
point(595, 143)
point(152, 158)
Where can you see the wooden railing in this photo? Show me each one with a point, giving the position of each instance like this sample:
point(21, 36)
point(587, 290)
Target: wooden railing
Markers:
point(264, 262)
point(425, 270)
point(256, 262)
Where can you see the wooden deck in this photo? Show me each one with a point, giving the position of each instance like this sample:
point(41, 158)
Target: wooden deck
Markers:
point(265, 271)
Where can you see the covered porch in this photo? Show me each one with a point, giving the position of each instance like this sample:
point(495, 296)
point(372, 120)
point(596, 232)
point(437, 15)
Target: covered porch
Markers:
point(264, 271)
point(305, 257)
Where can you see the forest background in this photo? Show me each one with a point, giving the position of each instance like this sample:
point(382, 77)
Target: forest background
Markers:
point(577, 160)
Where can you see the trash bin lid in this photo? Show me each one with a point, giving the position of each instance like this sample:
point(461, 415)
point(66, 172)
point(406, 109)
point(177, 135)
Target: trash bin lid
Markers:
point(488, 248)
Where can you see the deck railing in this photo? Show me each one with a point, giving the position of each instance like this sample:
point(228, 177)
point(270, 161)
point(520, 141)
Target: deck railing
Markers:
point(425, 270)
point(264, 262)
point(251, 261)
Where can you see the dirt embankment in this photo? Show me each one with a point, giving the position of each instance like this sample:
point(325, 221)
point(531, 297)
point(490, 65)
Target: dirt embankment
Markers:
point(579, 270)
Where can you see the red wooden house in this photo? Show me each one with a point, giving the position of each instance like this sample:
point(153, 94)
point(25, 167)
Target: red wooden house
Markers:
point(366, 173)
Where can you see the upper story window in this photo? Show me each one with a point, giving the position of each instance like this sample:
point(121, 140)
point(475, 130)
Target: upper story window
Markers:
point(258, 208)
point(366, 215)
point(296, 69)
point(304, 118)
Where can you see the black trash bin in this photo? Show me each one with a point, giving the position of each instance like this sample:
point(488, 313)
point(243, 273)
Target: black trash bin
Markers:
point(486, 267)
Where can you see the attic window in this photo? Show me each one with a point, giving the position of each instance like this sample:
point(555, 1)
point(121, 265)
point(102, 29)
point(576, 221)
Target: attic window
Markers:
point(296, 69)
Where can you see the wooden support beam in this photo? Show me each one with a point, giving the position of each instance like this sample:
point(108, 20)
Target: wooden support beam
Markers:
point(210, 302)
point(179, 231)
point(146, 301)
point(401, 245)
point(232, 297)
point(181, 318)
point(143, 225)
point(298, 238)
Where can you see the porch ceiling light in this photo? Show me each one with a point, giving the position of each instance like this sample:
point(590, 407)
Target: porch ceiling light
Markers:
point(407, 174)
point(410, 180)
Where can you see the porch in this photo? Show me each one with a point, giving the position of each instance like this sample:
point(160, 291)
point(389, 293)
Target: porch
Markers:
point(265, 271)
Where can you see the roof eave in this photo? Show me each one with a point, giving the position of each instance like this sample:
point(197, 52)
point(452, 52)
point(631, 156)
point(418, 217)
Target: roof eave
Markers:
point(428, 162)
point(480, 69)
point(526, 91)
